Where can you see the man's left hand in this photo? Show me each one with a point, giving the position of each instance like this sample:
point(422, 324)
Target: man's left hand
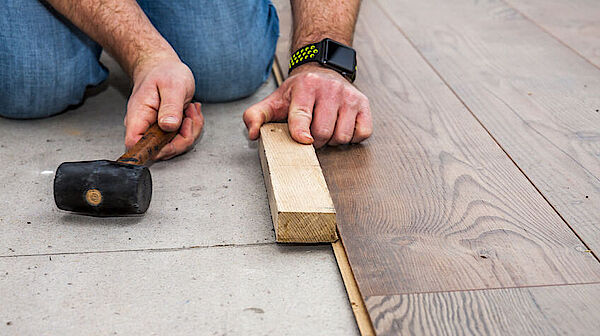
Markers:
point(320, 105)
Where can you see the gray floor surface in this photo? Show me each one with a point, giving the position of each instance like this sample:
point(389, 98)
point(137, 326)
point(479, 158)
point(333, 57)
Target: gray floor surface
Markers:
point(201, 261)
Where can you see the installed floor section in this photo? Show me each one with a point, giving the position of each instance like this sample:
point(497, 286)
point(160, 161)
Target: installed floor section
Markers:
point(201, 261)
point(475, 206)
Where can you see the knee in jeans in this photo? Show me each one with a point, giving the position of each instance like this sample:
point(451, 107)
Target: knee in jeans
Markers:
point(39, 91)
point(25, 104)
point(44, 87)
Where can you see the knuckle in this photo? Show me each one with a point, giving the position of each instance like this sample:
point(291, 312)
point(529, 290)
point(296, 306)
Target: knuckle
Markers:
point(334, 85)
point(343, 138)
point(366, 103)
point(311, 79)
point(301, 111)
point(129, 142)
point(169, 107)
point(364, 132)
point(363, 97)
point(351, 98)
point(131, 104)
point(170, 149)
point(322, 133)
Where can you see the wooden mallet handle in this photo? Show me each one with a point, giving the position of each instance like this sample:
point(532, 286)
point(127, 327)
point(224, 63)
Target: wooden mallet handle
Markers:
point(148, 147)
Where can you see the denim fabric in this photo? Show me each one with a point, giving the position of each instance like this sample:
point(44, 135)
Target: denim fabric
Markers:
point(228, 44)
point(46, 63)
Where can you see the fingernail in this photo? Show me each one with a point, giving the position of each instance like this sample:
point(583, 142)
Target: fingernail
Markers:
point(307, 136)
point(170, 120)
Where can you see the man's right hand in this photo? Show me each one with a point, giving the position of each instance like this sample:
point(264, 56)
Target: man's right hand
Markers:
point(163, 86)
point(163, 89)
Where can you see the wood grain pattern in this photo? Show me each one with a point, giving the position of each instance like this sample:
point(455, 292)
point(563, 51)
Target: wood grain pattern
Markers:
point(536, 97)
point(300, 203)
point(544, 311)
point(575, 22)
point(431, 202)
point(147, 147)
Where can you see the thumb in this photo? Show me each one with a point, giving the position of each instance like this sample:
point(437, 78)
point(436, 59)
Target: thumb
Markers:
point(170, 111)
point(269, 109)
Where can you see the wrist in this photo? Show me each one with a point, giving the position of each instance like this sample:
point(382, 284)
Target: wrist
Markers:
point(301, 41)
point(147, 60)
point(325, 54)
point(313, 67)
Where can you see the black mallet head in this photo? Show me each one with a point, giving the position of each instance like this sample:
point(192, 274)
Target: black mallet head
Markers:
point(103, 188)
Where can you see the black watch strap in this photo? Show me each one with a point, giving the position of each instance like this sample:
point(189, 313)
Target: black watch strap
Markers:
point(310, 53)
point(328, 53)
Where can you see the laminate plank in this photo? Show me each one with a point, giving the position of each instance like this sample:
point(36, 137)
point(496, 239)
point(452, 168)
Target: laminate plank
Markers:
point(535, 96)
point(544, 311)
point(575, 22)
point(430, 202)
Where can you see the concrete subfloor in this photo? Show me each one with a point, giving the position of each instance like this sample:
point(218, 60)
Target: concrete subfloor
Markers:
point(202, 261)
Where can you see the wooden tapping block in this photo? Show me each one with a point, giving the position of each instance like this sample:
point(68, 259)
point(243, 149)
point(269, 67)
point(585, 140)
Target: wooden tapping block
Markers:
point(301, 207)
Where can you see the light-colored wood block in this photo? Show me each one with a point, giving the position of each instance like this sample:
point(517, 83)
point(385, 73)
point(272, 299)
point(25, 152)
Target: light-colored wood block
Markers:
point(301, 207)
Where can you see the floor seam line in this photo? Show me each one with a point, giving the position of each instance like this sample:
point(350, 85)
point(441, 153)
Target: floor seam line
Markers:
point(165, 249)
point(549, 33)
point(488, 289)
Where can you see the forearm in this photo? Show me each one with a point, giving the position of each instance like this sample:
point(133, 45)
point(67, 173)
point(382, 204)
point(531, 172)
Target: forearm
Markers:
point(120, 26)
point(314, 20)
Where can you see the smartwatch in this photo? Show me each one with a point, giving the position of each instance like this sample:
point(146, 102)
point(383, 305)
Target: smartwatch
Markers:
point(328, 53)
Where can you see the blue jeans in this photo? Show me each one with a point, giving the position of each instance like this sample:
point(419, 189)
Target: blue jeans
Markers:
point(46, 63)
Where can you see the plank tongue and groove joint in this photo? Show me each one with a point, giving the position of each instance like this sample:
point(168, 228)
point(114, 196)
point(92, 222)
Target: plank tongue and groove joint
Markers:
point(301, 207)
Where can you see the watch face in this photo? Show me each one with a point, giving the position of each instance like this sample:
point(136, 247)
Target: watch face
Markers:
point(341, 57)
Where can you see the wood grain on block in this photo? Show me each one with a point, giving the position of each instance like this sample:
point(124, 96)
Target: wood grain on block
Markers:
point(301, 207)
point(544, 311)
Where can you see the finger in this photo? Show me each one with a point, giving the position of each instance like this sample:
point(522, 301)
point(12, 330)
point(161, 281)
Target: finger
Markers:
point(194, 111)
point(300, 114)
point(364, 125)
point(172, 103)
point(325, 115)
point(182, 142)
point(344, 126)
point(139, 117)
point(269, 109)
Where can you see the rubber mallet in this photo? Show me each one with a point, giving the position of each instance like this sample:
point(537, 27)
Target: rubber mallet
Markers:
point(111, 188)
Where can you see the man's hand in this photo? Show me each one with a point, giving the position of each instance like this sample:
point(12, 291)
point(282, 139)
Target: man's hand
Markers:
point(320, 105)
point(163, 86)
point(163, 89)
